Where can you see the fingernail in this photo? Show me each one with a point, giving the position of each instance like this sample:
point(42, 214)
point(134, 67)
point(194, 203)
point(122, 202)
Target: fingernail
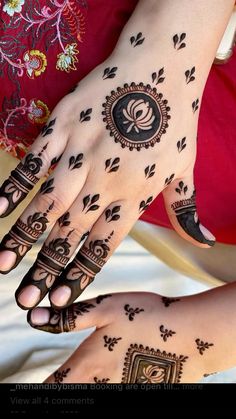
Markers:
point(7, 260)
point(3, 205)
point(206, 233)
point(29, 296)
point(39, 316)
point(60, 296)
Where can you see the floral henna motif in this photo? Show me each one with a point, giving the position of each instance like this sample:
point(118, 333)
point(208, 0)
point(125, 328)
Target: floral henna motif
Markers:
point(110, 342)
point(82, 270)
point(136, 116)
point(60, 375)
point(145, 365)
point(167, 301)
point(59, 321)
point(22, 236)
point(187, 217)
point(131, 312)
point(165, 333)
point(101, 380)
point(202, 346)
point(21, 180)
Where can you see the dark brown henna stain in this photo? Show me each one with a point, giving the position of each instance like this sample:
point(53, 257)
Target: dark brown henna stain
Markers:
point(47, 187)
point(158, 78)
point(178, 40)
point(143, 206)
point(136, 116)
point(182, 188)
point(60, 375)
point(181, 144)
point(75, 162)
point(189, 75)
point(147, 365)
point(169, 179)
point(131, 312)
point(48, 128)
point(89, 203)
point(112, 165)
point(112, 214)
point(85, 115)
point(82, 270)
point(22, 180)
point(60, 321)
point(202, 346)
point(195, 105)
point(109, 73)
point(211, 373)
point(55, 160)
point(110, 342)
point(64, 220)
point(186, 214)
point(149, 171)
point(101, 380)
point(100, 298)
point(22, 236)
point(167, 301)
point(165, 333)
point(137, 40)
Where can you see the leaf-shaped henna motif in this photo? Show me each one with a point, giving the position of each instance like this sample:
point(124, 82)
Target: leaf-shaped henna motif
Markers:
point(75, 162)
point(189, 75)
point(149, 171)
point(137, 40)
point(60, 375)
point(169, 179)
point(85, 115)
point(47, 187)
point(181, 144)
point(165, 333)
point(110, 342)
point(131, 312)
point(182, 188)
point(195, 105)
point(112, 214)
point(64, 220)
point(202, 346)
point(112, 165)
point(88, 203)
point(145, 204)
point(109, 73)
point(178, 41)
point(158, 77)
point(48, 129)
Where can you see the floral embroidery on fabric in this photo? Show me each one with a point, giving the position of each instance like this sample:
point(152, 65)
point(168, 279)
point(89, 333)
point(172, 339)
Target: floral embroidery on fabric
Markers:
point(35, 36)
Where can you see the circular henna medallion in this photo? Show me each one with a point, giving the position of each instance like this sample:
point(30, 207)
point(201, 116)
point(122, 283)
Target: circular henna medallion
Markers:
point(136, 115)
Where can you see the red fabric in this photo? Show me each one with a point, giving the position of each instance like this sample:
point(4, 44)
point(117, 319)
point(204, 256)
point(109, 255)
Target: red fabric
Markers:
point(215, 170)
point(92, 29)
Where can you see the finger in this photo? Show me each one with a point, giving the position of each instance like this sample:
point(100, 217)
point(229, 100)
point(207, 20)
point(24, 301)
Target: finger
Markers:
point(34, 166)
point(78, 316)
point(105, 236)
point(56, 252)
point(180, 203)
point(47, 206)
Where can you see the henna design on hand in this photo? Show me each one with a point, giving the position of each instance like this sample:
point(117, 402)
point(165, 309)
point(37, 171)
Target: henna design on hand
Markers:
point(178, 40)
point(182, 188)
point(85, 115)
point(109, 73)
point(186, 214)
point(131, 312)
point(47, 187)
point(60, 375)
point(22, 180)
point(146, 365)
point(111, 214)
point(75, 161)
point(165, 333)
point(101, 380)
point(202, 346)
point(50, 262)
point(136, 116)
point(137, 40)
point(60, 321)
point(89, 202)
point(181, 144)
point(195, 105)
point(22, 236)
point(149, 171)
point(102, 297)
point(167, 301)
point(169, 179)
point(64, 220)
point(87, 263)
point(112, 165)
point(110, 342)
point(143, 206)
point(189, 75)
point(55, 160)
point(158, 77)
point(48, 128)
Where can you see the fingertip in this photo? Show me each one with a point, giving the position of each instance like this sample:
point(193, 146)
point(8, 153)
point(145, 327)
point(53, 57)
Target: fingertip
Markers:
point(38, 316)
point(3, 206)
point(60, 297)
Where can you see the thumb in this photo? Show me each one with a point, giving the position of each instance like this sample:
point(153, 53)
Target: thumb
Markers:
point(180, 202)
point(78, 316)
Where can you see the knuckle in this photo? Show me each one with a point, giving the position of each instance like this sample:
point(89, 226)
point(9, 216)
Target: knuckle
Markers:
point(52, 200)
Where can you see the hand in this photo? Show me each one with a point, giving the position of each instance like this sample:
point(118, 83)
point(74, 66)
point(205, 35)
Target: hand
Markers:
point(126, 134)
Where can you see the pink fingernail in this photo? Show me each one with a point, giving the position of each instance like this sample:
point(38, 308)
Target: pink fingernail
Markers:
point(3, 205)
point(39, 316)
point(29, 296)
point(7, 260)
point(206, 233)
point(60, 296)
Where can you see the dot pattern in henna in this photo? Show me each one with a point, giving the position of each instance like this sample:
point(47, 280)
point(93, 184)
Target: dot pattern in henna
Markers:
point(136, 116)
point(22, 236)
point(145, 365)
point(82, 270)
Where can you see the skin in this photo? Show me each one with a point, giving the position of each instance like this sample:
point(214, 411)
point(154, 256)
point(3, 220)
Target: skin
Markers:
point(95, 173)
point(206, 341)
